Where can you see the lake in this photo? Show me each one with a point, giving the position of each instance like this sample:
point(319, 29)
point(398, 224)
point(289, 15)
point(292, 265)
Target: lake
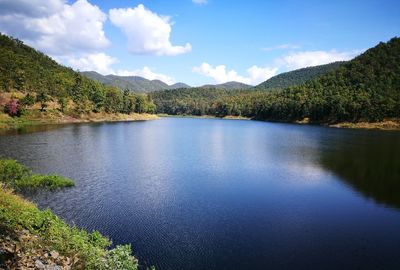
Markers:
point(226, 194)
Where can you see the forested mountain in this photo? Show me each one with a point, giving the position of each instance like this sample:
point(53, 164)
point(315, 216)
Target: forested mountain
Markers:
point(133, 83)
point(228, 86)
point(366, 88)
point(28, 71)
point(297, 77)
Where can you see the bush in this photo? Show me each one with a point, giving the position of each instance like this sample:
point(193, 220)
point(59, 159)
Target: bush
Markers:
point(16, 175)
point(11, 171)
point(28, 100)
point(12, 108)
point(120, 258)
point(43, 181)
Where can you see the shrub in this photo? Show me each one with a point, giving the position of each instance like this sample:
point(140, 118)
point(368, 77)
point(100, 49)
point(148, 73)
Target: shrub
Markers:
point(28, 100)
point(12, 108)
point(43, 181)
point(16, 175)
point(11, 171)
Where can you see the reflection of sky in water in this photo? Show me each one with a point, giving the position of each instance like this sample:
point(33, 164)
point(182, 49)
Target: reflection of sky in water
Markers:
point(219, 194)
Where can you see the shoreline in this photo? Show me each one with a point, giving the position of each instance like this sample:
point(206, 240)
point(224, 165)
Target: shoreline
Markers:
point(53, 117)
point(391, 124)
point(228, 117)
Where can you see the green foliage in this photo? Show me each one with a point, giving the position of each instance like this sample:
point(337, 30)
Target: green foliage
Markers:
point(43, 181)
point(90, 249)
point(364, 89)
point(24, 69)
point(43, 98)
point(16, 175)
point(297, 77)
point(11, 171)
point(28, 100)
point(120, 258)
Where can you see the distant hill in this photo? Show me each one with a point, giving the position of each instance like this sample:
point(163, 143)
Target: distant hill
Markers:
point(28, 71)
point(365, 89)
point(228, 86)
point(298, 76)
point(133, 83)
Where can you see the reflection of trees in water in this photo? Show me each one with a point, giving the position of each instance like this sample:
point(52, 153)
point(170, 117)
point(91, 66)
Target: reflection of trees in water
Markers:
point(369, 164)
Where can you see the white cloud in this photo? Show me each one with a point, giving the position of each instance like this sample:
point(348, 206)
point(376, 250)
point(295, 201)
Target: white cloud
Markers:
point(291, 61)
point(259, 74)
point(286, 46)
point(200, 2)
point(147, 73)
point(99, 62)
point(220, 74)
point(54, 26)
point(303, 59)
point(147, 32)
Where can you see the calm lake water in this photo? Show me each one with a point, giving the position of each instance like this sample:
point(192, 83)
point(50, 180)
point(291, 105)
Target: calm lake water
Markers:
point(227, 194)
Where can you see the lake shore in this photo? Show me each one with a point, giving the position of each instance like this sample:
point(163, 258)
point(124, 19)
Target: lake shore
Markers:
point(35, 117)
point(387, 124)
point(228, 117)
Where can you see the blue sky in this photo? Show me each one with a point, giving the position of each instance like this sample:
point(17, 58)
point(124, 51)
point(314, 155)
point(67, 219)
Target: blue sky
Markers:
point(199, 41)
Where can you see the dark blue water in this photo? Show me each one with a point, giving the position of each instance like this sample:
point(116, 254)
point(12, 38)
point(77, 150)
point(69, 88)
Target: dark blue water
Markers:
point(227, 194)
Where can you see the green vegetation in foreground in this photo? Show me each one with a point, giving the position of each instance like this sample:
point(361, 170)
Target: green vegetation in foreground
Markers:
point(365, 89)
point(17, 176)
point(85, 250)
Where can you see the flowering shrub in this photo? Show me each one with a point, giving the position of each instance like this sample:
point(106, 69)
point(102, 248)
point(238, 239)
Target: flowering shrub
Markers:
point(13, 108)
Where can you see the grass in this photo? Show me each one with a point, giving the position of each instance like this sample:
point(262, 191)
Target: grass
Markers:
point(17, 176)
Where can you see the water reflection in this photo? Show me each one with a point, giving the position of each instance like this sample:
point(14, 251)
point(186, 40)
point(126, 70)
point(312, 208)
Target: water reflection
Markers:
point(370, 163)
point(214, 194)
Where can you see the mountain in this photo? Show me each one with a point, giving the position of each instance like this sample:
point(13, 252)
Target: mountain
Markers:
point(228, 86)
point(297, 77)
point(365, 89)
point(133, 83)
point(140, 84)
point(28, 71)
point(179, 85)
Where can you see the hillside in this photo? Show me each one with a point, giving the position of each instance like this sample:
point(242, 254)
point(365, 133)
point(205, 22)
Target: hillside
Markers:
point(133, 83)
point(296, 77)
point(365, 89)
point(23, 71)
point(228, 86)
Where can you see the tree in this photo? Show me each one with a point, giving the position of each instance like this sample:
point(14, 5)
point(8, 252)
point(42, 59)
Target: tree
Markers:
point(43, 98)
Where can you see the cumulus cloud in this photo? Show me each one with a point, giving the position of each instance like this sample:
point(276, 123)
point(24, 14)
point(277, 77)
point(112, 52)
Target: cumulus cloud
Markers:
point(147, 32)
point(291, 61)
point(259, 74)
point(220, 74)
point(147, 73)
point(99, 62)
point(55, 27)
point(200, 2)
point(303, 59)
